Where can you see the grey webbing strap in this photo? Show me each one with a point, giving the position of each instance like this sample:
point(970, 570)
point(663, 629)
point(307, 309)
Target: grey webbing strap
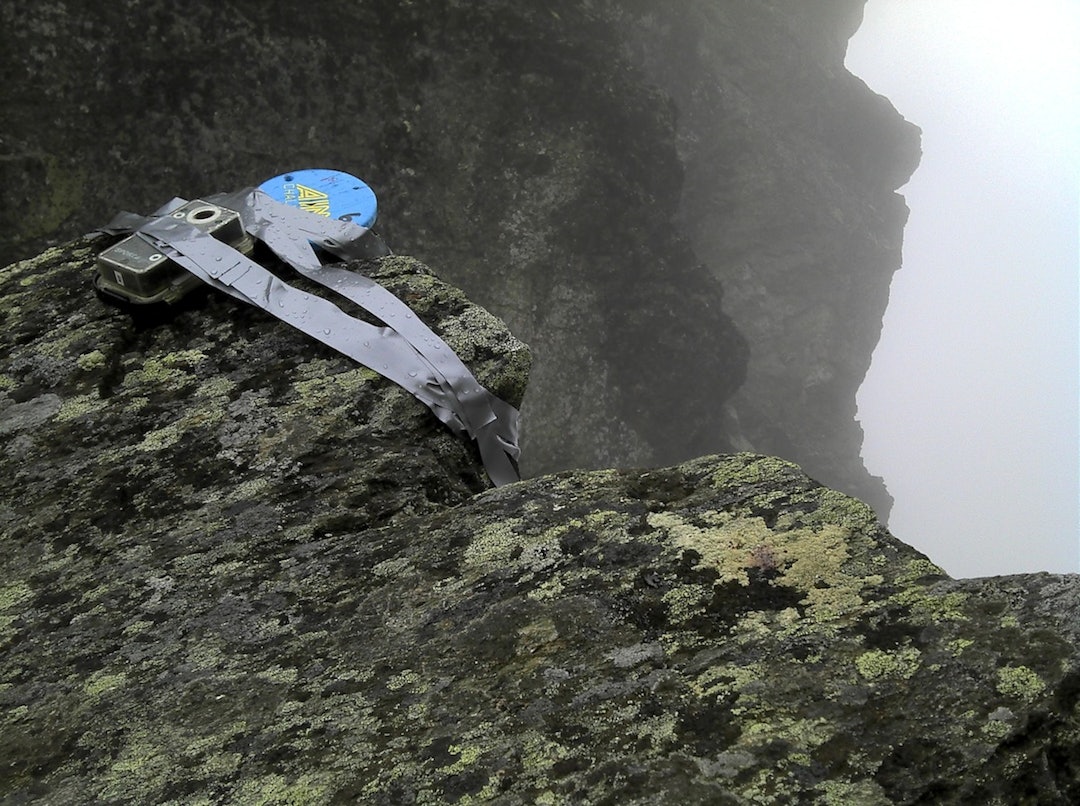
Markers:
point(416, 359)
point(221, 266)
point(277, 225)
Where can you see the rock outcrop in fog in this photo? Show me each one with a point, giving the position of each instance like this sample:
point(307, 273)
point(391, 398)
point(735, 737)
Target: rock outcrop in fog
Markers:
point(687, 210)
point(237, 568)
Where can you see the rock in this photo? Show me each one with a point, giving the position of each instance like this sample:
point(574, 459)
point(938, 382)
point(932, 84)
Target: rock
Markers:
point(687, 210)
point(238, 568)
point(221, 408)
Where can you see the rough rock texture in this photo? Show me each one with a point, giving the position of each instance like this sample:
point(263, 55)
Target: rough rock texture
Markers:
point(686, 209)
point(235, 568)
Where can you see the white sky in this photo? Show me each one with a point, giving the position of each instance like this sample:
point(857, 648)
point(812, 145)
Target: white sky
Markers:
point(970, 408)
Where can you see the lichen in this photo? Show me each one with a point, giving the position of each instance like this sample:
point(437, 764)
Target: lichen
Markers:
point(102, 682)
point(878, 664)
point(808, 560)
point(1020, 682)
point(91, 361)
point(75, 407)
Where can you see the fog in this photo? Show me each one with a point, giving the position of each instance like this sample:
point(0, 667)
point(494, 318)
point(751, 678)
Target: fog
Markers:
point(970, 407)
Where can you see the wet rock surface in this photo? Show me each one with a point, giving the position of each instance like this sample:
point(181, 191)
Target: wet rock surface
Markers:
point(687, 210)
point(237, 568)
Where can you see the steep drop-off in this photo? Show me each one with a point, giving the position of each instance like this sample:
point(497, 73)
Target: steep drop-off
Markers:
point(687, 210)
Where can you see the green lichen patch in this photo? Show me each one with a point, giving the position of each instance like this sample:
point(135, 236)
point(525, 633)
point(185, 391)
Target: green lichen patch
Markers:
point(877, 664)
point(1020, 682)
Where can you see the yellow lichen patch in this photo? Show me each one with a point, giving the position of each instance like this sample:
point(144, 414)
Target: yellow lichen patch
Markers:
point(339, 388)
point(407, 679)
point(606, 525)
point(158, 373)
point(659, 730)
point(685, 601)
point(834, 507)
point(845, 793)
point(276, 790)
point(216, 388)
point(169, 435)
point(184, 358)
point(278, 674)
point(933, 607)
point(502, 544)
point(467, 756)
point(12, 597)
point(494, 543)
point(809, 560)
point(79, 405)
point(725, 679)
point(958, 645)
point(749, 469)
point(813, 561)
point(917, 569)
point(1020, 682)
point(92, 360)
point(877, 664)
point(104, 681)
point(141, 770)
point(724, 548)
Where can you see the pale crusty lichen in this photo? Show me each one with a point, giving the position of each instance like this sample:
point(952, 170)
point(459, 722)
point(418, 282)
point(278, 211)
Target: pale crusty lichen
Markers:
point(1020, 682)
point(808, 560)
point(878, 664)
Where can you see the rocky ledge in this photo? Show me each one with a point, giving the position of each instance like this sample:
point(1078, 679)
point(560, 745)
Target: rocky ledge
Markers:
point(238, 568)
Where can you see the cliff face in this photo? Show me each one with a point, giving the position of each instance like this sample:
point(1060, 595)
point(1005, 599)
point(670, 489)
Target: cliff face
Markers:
point(237, 568)
point(687, 210)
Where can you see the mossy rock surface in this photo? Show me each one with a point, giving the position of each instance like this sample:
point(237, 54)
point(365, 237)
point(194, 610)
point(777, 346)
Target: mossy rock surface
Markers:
point(239, 569)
